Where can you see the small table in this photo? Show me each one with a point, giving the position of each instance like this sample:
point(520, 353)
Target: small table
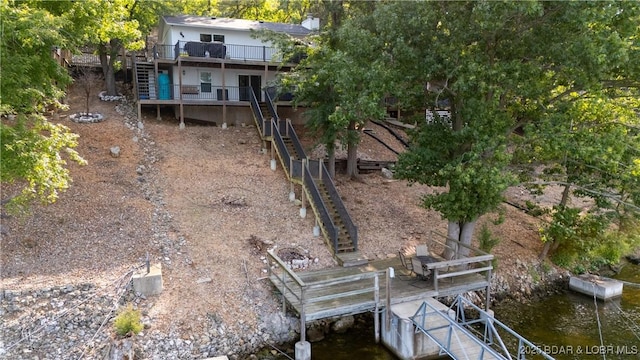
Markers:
point(424, 261)
point(427, 259)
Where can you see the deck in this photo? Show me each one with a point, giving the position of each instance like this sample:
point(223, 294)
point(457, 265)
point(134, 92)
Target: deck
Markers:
point(341, 291)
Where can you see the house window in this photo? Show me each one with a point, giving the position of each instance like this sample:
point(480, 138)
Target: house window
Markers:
point(205, 37)
point(218, 38)
point(205, 82)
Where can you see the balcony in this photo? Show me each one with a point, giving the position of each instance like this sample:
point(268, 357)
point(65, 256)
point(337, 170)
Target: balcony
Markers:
point(200, 93)
point(200, 50)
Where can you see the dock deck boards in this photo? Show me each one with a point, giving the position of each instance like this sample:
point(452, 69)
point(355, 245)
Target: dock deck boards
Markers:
point(324, 298)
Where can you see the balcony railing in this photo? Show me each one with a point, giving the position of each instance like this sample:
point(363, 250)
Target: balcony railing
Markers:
point(195, 49)
point(200, 92)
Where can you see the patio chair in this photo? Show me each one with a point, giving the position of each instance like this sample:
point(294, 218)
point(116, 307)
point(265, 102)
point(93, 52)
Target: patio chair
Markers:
point(422, 250)
point(406, 264)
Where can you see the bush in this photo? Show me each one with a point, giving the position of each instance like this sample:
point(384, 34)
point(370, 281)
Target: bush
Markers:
point(487, 242)
point(127, 322)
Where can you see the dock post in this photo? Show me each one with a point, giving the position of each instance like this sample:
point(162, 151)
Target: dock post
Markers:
point(303, 350)
point(376, 313)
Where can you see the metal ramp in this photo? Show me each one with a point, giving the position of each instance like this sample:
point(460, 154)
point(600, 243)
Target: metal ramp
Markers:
point(483, 338)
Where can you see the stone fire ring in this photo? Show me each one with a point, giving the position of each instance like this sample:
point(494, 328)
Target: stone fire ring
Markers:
point(86, 118)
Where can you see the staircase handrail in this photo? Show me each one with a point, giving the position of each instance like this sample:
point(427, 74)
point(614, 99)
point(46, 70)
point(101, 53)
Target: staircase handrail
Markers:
point(295, 141)
point(282, 149)
point(352, 229)
point(258, 113)
point(270, 106)
point(320, 207)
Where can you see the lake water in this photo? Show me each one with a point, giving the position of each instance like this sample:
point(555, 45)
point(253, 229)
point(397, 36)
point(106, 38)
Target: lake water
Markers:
point(568, 325)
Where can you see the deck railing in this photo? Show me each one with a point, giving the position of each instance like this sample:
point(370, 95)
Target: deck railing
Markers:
point(197, 92)
point(195, 49)
point(478, 262)
point(295, 289)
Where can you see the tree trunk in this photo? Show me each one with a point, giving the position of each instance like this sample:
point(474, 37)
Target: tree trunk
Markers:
point(550, 244)
point(461, 232)
point(108, 56)
point(352, 152)
point(331, 155)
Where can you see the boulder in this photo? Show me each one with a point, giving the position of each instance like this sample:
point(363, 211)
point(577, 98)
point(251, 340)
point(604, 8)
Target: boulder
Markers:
point(343, 324)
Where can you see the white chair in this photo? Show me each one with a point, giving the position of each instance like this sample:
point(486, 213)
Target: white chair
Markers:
point(422, 250)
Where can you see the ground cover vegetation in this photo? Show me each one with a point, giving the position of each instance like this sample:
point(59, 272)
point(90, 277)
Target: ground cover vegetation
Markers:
point(540, 93)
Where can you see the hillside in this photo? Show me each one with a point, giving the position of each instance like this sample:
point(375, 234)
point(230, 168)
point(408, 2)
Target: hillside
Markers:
point(193, 199)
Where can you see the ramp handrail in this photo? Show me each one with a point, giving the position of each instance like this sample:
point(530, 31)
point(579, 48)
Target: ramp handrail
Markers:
point(452, 337)
point(491, 327)
point(490, 343)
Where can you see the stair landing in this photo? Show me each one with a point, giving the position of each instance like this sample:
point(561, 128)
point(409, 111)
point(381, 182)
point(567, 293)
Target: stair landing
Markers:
point(349, 259)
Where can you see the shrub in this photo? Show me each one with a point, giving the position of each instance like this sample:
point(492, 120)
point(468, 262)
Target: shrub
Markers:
point(487, 242)
point(128, 322)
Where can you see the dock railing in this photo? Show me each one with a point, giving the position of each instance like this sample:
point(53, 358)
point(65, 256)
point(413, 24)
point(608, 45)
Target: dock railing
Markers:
point(292, 287)
point(479, 262)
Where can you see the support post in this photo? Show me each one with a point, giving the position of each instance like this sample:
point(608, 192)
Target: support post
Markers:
point(180, 92)
point(303, 350)
point(303, 320)
point(158, 117)
point(376, 313)
point(390, 275)
point(224, 95)
point(488, 295)
point(435, 279)
point(303, 209)
point(284, 292)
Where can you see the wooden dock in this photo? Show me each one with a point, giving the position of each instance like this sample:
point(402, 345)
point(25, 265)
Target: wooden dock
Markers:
point(341, 291)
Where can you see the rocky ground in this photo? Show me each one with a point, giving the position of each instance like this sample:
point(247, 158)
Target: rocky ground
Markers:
point(203, 202)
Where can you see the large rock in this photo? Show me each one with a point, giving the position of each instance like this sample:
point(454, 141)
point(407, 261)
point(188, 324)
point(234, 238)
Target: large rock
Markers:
point(316, 331)
point(634, 259)
point(343, 324)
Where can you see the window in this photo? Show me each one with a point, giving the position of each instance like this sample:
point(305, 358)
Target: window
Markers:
point(218, 38)
point(205, 37)
point(205, 82)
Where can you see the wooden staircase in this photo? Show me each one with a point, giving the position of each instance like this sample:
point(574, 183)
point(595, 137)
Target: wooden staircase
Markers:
point(345, 250)
point(145, 81)
point(345, 243)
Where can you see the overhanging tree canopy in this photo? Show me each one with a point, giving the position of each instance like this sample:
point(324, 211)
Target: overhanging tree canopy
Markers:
point(496, 66)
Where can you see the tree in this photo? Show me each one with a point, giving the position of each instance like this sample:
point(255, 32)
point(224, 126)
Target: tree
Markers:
point(111, 26)
point(339, 82)
point(32, 149)
point(496, 66)
point(596, 155)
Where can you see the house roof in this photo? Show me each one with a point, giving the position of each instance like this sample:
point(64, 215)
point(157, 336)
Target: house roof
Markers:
point(235, 24)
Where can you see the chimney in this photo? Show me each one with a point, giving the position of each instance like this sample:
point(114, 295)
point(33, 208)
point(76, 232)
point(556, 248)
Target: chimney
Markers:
point(311, 23)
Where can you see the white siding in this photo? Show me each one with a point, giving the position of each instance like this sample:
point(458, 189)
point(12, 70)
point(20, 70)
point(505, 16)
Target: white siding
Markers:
point(193, 34)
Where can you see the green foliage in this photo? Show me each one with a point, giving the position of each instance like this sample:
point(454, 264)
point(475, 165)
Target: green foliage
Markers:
point(127, 322)
point(31, 79)
point(31, 153)
point(33, 150)
point(584, 242)
point(340, 80)
point(487, 242)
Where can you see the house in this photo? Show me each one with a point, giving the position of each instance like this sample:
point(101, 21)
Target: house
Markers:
point(209, 68)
